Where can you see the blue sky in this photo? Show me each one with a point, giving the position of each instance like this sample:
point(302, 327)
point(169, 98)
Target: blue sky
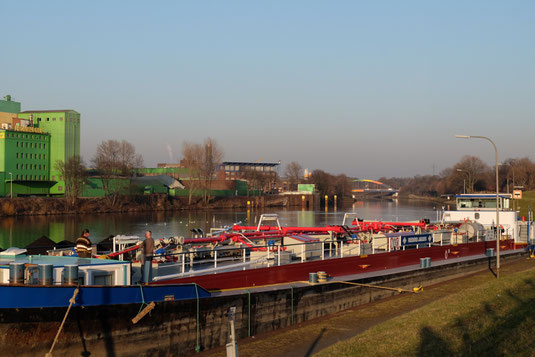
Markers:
point(369, 89)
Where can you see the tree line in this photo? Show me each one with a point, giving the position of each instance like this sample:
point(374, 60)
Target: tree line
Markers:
point(469, 175)
point(115, 159)
point(118, 159)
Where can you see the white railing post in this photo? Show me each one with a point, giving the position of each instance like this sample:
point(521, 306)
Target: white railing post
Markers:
point(279, 255)
point(183, 263)
point(323, 250)
point(215, 258)
point(244, 255)
point(341, 249)
point(302, 252)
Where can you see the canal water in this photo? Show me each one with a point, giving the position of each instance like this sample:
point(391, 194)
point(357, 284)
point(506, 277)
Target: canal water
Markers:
point(21, 231)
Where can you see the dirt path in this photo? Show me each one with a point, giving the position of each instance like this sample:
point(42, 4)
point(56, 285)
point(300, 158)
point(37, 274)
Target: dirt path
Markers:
point(310, 337)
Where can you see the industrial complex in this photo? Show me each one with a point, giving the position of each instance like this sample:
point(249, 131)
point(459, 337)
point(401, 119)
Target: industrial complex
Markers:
point(31, 142)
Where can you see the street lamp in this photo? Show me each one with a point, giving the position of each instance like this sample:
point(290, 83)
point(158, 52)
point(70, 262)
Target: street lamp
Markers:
point(464, 180)
point(11, 182)
point(498, 231)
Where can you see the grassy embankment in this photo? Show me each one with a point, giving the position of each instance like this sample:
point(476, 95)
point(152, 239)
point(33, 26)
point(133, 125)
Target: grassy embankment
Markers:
point(495, 318)
point(528, 199)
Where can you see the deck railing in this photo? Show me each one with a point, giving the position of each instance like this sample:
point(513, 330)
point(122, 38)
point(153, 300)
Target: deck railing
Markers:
point(221, 258)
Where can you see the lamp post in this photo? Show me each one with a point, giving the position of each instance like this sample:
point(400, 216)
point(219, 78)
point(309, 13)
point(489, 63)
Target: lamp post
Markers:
point(498, 231)
point(464, 180)
point(11, 183)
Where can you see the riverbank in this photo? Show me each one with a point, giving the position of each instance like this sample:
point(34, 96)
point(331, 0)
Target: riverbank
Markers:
point(491, 317)
point(29, 206)
point(380, 326)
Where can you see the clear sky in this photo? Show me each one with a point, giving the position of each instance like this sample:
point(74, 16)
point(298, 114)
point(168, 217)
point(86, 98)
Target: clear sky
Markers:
point(365, 88)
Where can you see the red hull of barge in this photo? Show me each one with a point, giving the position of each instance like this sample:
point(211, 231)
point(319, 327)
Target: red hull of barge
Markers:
point(336, 267)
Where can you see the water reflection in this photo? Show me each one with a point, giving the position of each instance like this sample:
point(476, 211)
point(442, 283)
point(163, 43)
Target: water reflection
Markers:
point(21, 231)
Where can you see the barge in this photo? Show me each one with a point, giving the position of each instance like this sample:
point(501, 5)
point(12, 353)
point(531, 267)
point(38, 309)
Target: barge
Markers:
point(265, 269)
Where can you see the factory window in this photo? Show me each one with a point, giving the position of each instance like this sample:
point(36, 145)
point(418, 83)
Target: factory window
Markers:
point(47, 119)
point(26, 144)
point(60, 119)
point(17, 166)
point(17, 144)
point(17, 155)
point(17, 177)
point(60, 188)
point(39, 156)
point(25, 177)
point(38, 119)
point(39, 167)
point(44, 146)
point(44, 156)
point(26, 155)
point(53, 178)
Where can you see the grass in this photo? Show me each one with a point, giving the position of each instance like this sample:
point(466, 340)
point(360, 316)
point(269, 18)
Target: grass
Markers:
point(494, 318)
point(528, 199)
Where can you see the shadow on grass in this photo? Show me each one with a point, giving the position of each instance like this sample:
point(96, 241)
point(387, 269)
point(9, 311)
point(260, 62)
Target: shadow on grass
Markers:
point(501, 326)
point(491, 269)
point(432, 344)
point(313, 345)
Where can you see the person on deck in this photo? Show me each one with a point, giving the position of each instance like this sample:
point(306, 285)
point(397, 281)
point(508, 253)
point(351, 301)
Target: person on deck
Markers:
point(147, 253)
point(83, 245)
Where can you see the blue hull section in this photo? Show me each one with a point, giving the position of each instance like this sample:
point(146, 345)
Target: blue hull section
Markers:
point(15, 296)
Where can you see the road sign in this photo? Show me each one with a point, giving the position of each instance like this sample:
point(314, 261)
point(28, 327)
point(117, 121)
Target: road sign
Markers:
point(517, 194)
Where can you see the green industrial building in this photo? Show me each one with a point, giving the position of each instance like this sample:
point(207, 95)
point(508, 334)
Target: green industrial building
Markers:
point(64, 129)
point(31, 143)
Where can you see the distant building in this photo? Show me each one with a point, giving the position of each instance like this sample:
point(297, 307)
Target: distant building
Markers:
point(31, 142)
point(262, 174)
point(233, 170)
point(64, 129)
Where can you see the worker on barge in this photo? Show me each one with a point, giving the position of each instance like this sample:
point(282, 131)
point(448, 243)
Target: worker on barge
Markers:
point(83, 245)
point(148, 252)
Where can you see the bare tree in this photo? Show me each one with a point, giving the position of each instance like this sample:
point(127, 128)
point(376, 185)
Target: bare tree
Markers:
point(73, 172)
point(212, 155)
point(524, 172)
point(256, 180)
point(115, 159)
point(293, 173)
point(191, 159)
point(323, 182)
point(474, 169)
